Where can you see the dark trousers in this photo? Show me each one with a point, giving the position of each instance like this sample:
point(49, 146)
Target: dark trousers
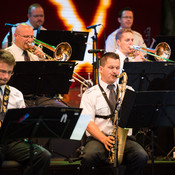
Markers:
point(19, 151)
point(95, 155)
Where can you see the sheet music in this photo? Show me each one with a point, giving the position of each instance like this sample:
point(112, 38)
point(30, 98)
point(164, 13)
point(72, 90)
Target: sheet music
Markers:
point(80, 127)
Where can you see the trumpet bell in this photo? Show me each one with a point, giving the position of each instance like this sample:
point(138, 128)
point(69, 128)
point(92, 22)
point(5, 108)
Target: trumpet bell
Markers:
point(162, 50)
point(63, 52)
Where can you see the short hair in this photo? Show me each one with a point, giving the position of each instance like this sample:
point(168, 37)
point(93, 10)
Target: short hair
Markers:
point(7, 57)
point(33, 5)
point(107, 55)
point(124, 9)
point(120, 32)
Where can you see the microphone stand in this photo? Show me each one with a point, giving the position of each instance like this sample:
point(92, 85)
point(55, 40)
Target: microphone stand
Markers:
point(95, 64)
point(10, 37)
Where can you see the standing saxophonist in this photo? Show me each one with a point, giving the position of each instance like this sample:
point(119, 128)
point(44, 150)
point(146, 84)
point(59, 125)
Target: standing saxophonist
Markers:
point(99, 140)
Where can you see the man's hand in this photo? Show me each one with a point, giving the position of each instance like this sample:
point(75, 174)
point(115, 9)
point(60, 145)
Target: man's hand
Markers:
point(109, 142)
point(39, 52)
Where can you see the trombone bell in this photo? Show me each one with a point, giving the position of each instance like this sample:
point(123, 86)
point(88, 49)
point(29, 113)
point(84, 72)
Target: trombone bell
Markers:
point(63, 51)
point(162, 50)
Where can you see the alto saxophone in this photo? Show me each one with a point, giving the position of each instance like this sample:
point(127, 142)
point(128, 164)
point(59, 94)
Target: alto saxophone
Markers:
point(121, 135)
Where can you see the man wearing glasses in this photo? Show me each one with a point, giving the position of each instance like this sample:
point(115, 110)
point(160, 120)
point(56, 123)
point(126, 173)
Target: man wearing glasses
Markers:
point(35, 20)
point(125, 18)
point(17, 149)
point(22, 46)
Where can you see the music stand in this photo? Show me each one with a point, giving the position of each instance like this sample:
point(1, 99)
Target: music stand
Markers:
point(40, 77)
point(123, 115)
point(41, 122)
point(153, 109)
point(76, 39)
point(144, 76)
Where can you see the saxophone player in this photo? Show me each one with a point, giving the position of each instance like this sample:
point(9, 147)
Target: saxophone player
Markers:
point(99, 140)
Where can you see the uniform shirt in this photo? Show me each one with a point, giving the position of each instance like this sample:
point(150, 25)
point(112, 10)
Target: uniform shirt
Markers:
point(122, 58)
point(5, 40)
point(94, 103)
point(16, 99)
point(111, 45)
point(18, 53)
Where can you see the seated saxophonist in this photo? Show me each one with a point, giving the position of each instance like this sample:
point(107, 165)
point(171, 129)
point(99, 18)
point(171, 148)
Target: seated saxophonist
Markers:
point(96, 101)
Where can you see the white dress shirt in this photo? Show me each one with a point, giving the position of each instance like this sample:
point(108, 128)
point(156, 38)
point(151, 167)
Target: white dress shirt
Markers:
point(122, 58)
point(18, 53)
point(16, 99)
point(94, 103)
point(111, 45)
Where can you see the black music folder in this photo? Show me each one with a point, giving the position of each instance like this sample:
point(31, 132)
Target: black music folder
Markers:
point(77, 40)
point(143, 76)
point(153, 109)
point(43, 122)
point(42, 77)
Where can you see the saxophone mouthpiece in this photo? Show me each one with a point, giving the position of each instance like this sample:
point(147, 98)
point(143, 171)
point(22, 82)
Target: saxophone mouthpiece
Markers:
point(116, 76)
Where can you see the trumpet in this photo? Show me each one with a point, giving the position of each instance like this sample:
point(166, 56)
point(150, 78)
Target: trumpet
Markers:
point(162, 51)
point(62, 52)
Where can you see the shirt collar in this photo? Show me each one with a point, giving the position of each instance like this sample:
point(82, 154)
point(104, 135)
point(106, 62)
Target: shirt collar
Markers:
point(104, 85)
point(17, 49)
point(28, 23)
point(2, 88)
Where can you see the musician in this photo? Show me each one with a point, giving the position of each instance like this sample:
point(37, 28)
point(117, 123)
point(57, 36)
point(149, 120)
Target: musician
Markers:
point(125, 18)
point(125, 41)
point(17, 150)
point(22, 45)
point(99, 139)
point(36, 20)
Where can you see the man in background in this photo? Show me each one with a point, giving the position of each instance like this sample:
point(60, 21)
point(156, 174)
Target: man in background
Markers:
point(126, 19)
point(35, 20)
point(124, 40)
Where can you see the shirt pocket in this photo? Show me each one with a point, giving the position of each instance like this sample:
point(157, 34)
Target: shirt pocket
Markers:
point(102, 107)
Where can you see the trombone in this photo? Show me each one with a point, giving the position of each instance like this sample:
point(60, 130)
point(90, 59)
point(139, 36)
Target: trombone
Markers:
point(62, 52)
point(162, 51)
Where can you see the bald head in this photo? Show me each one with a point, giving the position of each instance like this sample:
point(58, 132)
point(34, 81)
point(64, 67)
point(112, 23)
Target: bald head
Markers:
point(23, 36)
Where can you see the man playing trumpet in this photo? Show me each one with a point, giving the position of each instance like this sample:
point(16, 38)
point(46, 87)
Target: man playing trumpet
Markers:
point(22, 46)
point(125, 40)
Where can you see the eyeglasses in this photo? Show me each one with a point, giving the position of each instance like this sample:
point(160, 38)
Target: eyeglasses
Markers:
point(36, 16)
point(26, 36)
point(127, 17)
point(6, 72)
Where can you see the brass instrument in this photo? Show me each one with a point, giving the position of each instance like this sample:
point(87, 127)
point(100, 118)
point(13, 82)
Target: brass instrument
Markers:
point(62, 52)
point(121, 135)
point(162, 51)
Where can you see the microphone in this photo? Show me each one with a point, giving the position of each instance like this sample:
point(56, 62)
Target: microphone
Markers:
point(10, 25)
point(95, 50)
point(90, 27)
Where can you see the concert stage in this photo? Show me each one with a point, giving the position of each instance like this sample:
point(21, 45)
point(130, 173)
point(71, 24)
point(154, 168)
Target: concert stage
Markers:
point(59, 166)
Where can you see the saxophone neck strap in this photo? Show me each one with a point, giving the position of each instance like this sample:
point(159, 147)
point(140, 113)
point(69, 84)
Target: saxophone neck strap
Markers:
point(5, 99)
point(107, 100)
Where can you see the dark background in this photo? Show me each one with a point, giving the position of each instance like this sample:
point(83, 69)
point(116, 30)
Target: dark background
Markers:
point(147, 14)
